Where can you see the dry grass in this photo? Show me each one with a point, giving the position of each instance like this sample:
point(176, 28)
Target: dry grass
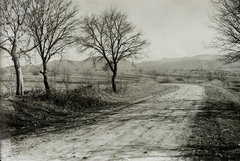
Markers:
point(35, 113)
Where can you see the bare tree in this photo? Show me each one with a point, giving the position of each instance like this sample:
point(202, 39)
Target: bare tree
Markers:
point(226, 18)
point(66, 78)
point(153, 74)
point(54, 72)
point(52, 24)
point(35, 71)
point(13, 38)
point(88, 75)
point(202, 73)
point(209, 76)
point(111, 37)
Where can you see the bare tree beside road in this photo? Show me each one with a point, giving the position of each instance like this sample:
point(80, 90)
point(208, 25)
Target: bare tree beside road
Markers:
point(111, 37)
point(52, 24)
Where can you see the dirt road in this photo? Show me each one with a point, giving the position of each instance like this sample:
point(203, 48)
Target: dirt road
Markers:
point(154, 129)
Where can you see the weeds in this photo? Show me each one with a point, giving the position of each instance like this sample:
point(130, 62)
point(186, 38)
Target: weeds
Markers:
point(35, 112)
point(70, 99)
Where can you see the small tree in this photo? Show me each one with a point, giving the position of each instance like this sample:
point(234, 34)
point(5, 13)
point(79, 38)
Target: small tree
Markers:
point(209, 76)
point(54, 72)
point(153, 74)
point(202, 73)
point(52, 24)
point(226, 18)
point(66, 78)
point(88, 75)
point(35, 72)
point(111, 37)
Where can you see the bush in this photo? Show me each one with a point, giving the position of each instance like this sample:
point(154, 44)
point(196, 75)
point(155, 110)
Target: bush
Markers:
point(167, 80)
point(83, 97)
point(36, 93)
point(76, 99)
point(179, 79)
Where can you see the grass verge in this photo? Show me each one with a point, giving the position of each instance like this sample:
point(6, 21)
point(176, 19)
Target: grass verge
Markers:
point(34, 113)
point(216, 130)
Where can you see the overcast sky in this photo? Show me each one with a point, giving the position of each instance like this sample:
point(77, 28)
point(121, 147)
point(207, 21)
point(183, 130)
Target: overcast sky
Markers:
point(174, 28)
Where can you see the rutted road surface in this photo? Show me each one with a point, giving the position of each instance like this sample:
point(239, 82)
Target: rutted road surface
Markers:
point(155, 129)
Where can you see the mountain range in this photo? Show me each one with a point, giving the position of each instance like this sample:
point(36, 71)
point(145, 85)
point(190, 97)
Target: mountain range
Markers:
point(206, 62)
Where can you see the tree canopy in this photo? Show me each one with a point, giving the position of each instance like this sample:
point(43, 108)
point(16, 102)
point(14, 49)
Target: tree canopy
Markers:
point(52, 25)
point(226, 18)
point(110, 36)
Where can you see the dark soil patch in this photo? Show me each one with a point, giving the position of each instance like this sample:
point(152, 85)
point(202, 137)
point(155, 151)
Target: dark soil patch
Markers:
point(216, 130)
point(37, 115)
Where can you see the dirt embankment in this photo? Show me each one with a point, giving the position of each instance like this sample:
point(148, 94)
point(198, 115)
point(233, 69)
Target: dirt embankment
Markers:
point(157, 128)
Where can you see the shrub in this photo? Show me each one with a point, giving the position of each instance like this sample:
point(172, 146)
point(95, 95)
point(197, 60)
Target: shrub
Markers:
point(76, 99)
point(167, 80)
point(179, 79)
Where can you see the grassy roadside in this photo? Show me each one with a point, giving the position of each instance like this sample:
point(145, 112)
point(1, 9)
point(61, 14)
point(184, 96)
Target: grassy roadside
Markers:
point(33, 113)
point(216, 130)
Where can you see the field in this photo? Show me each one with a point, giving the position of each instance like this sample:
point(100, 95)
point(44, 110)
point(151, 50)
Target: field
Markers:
point(74, 79)
point(70, 80)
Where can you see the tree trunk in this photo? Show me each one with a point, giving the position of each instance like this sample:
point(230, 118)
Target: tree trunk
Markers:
point(45, 78)
point(114, 87)
point(19, 76)
point(18, 70)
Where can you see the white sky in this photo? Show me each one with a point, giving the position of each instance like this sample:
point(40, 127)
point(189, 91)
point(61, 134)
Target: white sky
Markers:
point(174, 28)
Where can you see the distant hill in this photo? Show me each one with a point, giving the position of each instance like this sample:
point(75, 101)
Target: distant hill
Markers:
point(186, 63)
point(207, 62)
point(78, 66)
